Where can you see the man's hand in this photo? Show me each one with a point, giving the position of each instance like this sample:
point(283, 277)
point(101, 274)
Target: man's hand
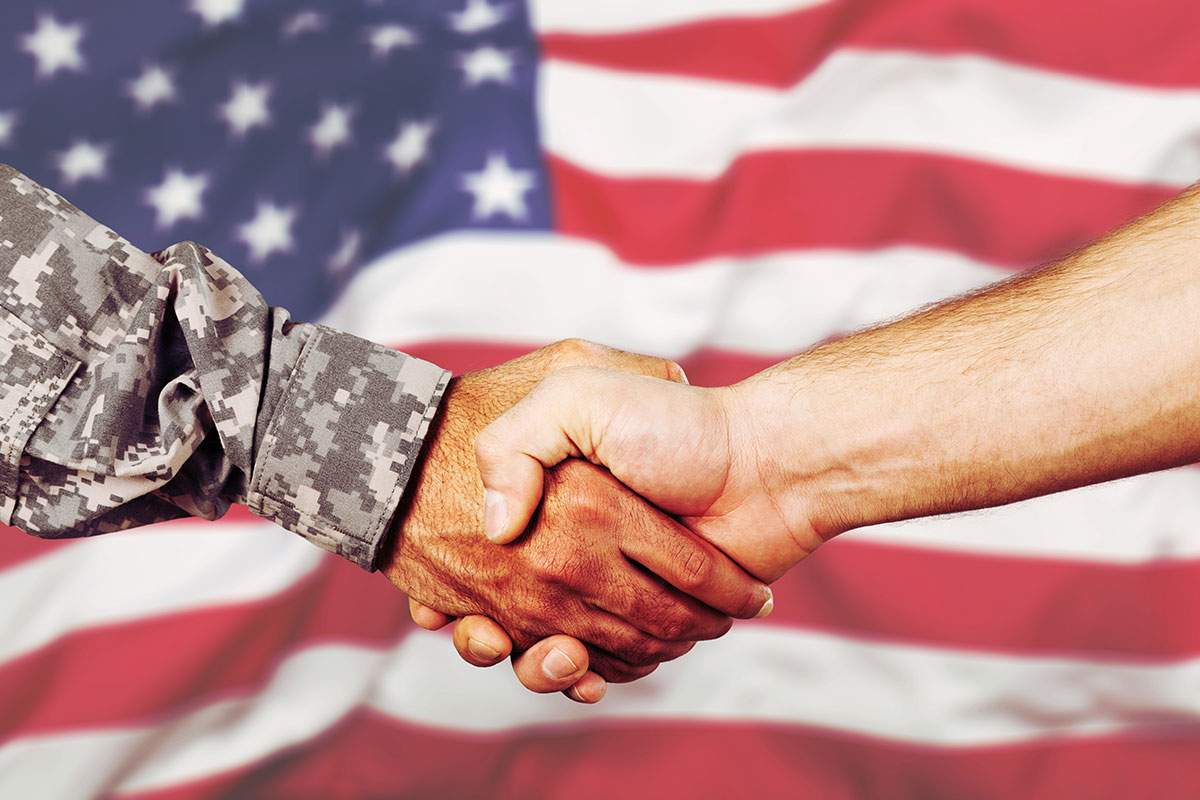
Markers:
point(688, 450)
point(1061, 377)
point(582, 570)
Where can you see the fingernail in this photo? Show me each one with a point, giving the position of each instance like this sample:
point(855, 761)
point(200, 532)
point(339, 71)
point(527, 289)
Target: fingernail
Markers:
point(495, 514)
point(482, 650)
point(596, 689)
point(768, 605)
point(558, 665)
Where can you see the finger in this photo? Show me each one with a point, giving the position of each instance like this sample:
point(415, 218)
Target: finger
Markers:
point(554, 664)
point(582, 353)
point(426, 617)
point(480, 641)
point(616, 670)
point(589, 689)
point(696, 568)
point(656, 609)
point(548, 425)
point(608, 632)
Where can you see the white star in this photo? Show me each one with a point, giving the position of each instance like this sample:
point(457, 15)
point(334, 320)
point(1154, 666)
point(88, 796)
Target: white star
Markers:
point(83, 160)
point(498, 188)
point(486, 64)
point(410, 146)
point(8, 122)
point(347, 251)
point(386, 38)
point(155, 85)
point(177, 197)
point(269, 232)
point(246, 107)
point(54, 46)
point(214, 12)
point(477, 16)
point(306, 21)
point(331, 130)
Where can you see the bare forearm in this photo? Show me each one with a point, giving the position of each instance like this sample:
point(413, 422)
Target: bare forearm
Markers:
point(1081, 372)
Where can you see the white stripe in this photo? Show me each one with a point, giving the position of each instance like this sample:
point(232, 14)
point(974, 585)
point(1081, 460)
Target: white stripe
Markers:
point(759, 673)
point(616, 16)
point(538, 288)
point(308, 693)
point(755, 674)
point(1135, 520)
point(622, 123)
point(136, 574)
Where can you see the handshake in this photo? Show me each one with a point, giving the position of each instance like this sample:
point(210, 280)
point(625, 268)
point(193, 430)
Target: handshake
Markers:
point(696, 499)
point(598, 584)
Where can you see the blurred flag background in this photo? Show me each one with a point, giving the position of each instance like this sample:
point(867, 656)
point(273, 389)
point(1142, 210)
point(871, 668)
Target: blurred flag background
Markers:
point(724, 182)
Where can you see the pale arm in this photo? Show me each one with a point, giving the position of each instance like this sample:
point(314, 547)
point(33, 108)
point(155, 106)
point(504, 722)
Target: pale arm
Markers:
point(1081, 372)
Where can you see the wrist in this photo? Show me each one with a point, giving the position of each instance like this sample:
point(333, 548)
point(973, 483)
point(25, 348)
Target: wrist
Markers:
point(830, 444)
point(437, 498)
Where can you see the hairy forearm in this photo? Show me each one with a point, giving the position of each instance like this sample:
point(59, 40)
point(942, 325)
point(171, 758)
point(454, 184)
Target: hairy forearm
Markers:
point(1080, 372)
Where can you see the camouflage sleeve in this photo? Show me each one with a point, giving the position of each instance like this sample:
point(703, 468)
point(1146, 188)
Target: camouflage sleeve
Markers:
point(136, 388)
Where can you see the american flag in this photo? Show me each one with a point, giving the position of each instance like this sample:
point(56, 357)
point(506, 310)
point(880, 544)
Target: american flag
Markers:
point(724, 182)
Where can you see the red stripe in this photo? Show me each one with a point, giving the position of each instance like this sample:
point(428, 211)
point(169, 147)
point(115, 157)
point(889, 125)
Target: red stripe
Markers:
point(373, 756)
point(16, 546)
point(161, 666)
point(1043, 607)
point(845, 200)
point(1107, 39)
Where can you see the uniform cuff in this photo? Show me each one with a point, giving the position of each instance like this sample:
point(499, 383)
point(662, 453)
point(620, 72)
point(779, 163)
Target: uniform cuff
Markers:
point(338, 454)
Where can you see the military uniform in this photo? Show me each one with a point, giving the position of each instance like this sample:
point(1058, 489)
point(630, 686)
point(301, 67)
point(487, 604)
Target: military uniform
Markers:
point(136, 388)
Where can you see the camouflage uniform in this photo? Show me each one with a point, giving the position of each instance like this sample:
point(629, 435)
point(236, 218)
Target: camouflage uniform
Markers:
point(137, 388)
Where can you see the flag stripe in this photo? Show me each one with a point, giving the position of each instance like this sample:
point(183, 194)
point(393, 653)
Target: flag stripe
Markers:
point(1116, 41)
point(963, 105)
point(867, 588)
point(844, 199)
point(150, 668)
point(630, 15)
point(16, 546)
point(668, 758)
point(145, 670)
point(855, 585)
point(307, 693)
point(128, 576)
point(538, 288)
point(755, 674)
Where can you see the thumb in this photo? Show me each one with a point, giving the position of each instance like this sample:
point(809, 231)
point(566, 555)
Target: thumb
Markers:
point(551, 423)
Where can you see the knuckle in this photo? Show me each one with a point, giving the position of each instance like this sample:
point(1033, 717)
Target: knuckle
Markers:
point(642, 651)
point(487, 445)
point(575, 351)
point(679, 624)
point(695, 566)
point(586, 510)
point(717, 628)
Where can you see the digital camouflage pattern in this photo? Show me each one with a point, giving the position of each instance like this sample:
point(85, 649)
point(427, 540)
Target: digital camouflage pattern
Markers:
point(136, 388)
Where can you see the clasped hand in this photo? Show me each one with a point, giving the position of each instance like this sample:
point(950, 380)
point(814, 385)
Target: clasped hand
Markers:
point(598, 584)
